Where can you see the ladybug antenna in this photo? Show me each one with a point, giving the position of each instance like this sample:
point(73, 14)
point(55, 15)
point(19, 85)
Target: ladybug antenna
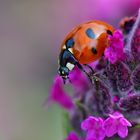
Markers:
point(91, 69)
point(66, 79)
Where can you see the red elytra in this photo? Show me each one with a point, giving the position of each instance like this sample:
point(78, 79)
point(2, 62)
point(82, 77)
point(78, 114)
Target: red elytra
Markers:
point(90, 40)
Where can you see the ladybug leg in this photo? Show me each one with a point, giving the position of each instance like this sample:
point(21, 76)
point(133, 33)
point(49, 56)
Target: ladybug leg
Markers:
point(92, 71)
point(94, 77)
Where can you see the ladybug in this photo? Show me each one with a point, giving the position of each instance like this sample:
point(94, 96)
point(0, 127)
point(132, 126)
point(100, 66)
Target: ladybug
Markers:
point(84, 44)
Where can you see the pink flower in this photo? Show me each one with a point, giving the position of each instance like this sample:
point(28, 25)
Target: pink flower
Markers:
point(59, 96)
point(116, 123)
point(94, 128)
point(72, 136)
point(79, 80)
point(114, 51)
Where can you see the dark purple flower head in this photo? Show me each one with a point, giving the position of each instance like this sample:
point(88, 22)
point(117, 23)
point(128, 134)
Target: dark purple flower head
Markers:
point(94, 128)
point(127, 23)
point(76, 116)
point(135, 77)
point(59, 96)
point(115, 52)
point(123, 77)
point(116, 123)
point(131, 103)
point(136, 44)
point(98, 99)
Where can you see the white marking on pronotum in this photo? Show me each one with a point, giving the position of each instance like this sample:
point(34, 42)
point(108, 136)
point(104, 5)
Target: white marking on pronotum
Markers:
point(70, 66)
point(70, 49)
point(64, 47)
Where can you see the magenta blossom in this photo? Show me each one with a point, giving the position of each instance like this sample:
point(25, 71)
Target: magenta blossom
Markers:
point(94, 128)
point(72, 136)
point(116, 123)
point(59, 96)
point(79, 80)
point(114, 51)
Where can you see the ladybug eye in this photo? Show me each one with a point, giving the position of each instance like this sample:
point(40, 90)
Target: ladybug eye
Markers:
point(94, 50)
point(70, 43)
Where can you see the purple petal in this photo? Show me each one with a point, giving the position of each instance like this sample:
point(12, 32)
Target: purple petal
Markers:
point(72, 136)
point(59, 96)
point(114, 51)
point(118, 34)
point(90, 136)
point(116, 115)
point(79, 80)
point(94, 128)
point(125, 122)
point(116, 123)
point(89, 123)
point(99, 129)
point(110, 127)
point(95, 135)
point(100, 120)
point(122, 131)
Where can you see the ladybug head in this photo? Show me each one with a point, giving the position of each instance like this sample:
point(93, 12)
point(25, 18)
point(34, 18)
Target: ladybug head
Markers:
point(64, 72)
point(66, 63)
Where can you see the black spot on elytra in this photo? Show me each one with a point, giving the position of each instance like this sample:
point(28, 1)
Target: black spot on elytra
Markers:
point(70, 43)
point(94, 50)
point(90, 33)
point(109, 32)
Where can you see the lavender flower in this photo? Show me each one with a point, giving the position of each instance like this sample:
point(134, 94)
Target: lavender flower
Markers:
point(114, 52)
point(59, 96)
point(131, 103)
point(116, 123)
point(94, 128)
point(81, 82)
point(72, 136)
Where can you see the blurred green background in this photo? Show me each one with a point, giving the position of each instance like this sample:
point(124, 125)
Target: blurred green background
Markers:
point(30, 35)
